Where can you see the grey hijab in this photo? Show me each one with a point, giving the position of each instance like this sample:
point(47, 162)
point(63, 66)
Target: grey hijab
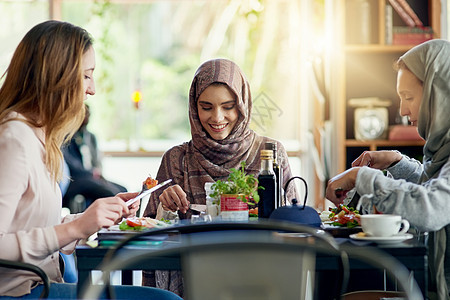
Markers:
point(430, 62)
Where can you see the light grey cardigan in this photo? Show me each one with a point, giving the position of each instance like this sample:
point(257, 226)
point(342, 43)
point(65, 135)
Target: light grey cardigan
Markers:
point(421, 192)
point(425, 205)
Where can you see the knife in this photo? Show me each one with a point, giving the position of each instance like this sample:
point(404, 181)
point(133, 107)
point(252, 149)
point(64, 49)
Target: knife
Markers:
point(198, 207)
point(147, 192)
point(352, 199)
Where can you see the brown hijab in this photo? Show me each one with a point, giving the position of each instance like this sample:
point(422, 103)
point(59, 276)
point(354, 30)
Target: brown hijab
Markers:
point(204, 159)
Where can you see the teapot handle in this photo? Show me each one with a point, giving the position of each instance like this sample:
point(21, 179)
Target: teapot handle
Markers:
point(306, 189)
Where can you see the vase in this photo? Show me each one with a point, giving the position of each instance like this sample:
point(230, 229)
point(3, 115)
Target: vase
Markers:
point(232, 208)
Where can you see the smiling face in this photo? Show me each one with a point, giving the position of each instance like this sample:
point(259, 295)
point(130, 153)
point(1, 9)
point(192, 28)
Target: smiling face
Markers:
point(88, 72)
point(217, 110)
point(410, 90)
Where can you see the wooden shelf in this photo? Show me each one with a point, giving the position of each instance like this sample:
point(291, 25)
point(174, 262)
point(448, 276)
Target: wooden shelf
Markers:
point(374, 48)
point(383, 143)
point(365, 70)
point(374, 145)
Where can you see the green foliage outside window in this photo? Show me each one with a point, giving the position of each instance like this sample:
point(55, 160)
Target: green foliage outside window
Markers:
point(157, 46)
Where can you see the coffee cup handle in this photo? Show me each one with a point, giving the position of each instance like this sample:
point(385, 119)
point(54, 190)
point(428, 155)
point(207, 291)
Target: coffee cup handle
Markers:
point(405, 228)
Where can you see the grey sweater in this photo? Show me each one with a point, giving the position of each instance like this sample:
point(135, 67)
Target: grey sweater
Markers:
point(426, 205)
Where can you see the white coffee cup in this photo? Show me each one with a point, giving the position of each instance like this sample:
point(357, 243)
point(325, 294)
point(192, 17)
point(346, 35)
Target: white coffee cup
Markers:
point(383, 225)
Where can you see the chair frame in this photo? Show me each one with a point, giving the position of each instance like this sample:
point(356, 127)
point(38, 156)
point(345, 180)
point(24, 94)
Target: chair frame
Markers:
point(32, 268)
point(383, 261)
point(195, 245)
point(369, 255)
point(326, 242)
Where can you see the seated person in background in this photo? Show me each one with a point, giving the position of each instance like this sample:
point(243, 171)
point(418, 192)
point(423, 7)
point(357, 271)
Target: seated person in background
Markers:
point(220, 107)
point(419, 192)
point(84, 161)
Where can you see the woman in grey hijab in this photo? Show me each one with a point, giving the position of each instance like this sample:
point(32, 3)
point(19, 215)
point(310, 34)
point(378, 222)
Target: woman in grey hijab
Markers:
point(419, 192)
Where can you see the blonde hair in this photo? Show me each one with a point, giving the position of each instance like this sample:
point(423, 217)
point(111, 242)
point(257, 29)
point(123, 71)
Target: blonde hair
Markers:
point(44, 82)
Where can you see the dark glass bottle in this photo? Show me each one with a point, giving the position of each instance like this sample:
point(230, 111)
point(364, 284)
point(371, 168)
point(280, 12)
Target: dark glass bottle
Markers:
point(278, 173)
point(267, 180)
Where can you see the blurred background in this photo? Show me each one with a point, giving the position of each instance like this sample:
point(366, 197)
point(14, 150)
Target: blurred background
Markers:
point(148, 50)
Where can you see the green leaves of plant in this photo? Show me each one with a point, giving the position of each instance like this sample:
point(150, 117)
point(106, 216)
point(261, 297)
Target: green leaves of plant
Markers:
point(238, 182)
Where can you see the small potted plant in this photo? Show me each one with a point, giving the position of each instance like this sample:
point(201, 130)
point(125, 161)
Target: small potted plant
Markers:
point(236, 194)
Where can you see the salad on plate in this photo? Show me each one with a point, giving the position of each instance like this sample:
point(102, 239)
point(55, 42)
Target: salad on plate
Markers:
point(341, 216)
point(143, 223)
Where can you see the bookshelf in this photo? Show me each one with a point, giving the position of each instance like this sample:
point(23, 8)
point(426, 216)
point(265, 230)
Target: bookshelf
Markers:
point(364, 69)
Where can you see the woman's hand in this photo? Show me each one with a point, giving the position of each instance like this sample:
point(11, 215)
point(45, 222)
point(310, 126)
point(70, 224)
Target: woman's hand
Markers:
point(133, 208)
point(174, 198)
point(103, 212)
point(339, 185)
point(377, 159)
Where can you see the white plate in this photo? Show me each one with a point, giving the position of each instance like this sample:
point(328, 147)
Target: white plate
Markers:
point(327, 225)
point(382, 240)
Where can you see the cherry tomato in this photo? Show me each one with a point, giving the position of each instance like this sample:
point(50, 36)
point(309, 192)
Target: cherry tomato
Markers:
point(134, 222)
point(253, 211)
point(150, 182)
point(344, 208)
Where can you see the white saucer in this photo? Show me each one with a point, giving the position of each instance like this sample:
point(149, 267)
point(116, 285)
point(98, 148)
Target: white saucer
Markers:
point(382, 240)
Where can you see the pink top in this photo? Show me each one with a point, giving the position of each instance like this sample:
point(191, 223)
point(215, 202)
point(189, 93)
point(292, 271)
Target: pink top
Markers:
point(30, 205)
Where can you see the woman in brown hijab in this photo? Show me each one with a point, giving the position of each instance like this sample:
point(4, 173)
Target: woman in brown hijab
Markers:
point(220, 106)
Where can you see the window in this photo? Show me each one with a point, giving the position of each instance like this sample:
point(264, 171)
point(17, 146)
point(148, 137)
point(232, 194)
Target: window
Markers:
point(16, 18)
point(154, 47)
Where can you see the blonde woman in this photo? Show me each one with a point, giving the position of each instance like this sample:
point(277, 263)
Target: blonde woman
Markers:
point(41, 106)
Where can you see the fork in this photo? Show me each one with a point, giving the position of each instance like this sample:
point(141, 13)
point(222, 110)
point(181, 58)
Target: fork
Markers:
point(144, 186)
point(147, 191)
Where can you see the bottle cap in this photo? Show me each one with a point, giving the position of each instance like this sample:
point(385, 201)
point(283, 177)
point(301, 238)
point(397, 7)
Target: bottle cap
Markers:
point(266, 154)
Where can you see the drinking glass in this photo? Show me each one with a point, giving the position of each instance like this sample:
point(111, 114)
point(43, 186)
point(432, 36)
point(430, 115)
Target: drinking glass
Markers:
point(201, 218)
